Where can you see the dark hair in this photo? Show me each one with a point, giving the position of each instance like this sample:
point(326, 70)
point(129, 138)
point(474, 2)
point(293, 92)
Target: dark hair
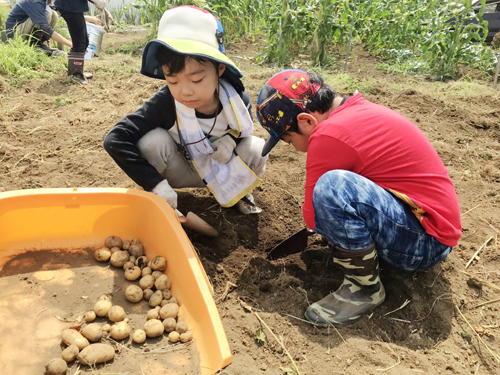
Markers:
point(176, 62)
point(321, 102)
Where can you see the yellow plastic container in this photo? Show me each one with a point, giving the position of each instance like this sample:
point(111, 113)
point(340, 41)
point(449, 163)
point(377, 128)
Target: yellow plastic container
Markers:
point(43, 219)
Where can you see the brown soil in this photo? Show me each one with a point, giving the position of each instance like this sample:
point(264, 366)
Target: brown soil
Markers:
point(43, 145)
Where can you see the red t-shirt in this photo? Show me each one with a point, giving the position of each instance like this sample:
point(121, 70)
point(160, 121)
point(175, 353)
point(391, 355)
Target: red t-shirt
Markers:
point(378, 143)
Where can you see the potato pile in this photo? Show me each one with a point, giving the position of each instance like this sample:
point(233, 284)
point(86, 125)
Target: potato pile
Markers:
point(154, 287)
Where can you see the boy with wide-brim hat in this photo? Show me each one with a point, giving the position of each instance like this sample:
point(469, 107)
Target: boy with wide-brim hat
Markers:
point(375, 187)
point(195, 131)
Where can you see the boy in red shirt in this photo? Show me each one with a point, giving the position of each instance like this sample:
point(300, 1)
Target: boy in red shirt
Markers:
point(375, 187)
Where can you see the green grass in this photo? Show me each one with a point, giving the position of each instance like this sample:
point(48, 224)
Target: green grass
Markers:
point(20, 62)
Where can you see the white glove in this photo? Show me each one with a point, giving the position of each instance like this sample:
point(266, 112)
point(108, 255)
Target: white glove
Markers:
point(100, 4)
point(225, 146)
point(163, 190)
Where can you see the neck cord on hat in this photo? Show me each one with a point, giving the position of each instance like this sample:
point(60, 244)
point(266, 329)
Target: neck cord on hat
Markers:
point(183, 145)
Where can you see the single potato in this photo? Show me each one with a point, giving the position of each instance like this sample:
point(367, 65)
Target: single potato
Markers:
point(169, 324)
point(173, 336)
point(102, 255)
point(120, 330)
point(56, 366)
point(186, 336)
point(92, 332)
point(96, 353)
point(154, 328)
point(133, 293)
point(113, 241)
point(119, 258)
point(139, 336)
point(72, 337)
point(70, 353)
point(170, 310)
point(158, 263)
point(102, 307)
point(116, 313)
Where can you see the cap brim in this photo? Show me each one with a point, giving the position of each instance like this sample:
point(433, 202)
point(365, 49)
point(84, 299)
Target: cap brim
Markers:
point(268, 146)
point(151, 68)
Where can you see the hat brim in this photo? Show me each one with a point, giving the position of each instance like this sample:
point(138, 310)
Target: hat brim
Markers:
point(151, 68)
point(268, 146)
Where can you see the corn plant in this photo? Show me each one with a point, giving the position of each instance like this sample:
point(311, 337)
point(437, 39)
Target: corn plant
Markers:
point(446, 42)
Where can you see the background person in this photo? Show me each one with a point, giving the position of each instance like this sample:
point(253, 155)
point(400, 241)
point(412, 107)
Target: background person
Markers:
point(73, 13)
point(35, 20)
point(375, 187)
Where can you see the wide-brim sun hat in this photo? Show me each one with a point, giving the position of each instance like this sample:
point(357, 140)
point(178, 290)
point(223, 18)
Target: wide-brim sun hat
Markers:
point(190, 30)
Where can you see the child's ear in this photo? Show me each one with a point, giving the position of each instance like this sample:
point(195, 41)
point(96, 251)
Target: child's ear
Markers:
point(306, 121)
point(222, 69)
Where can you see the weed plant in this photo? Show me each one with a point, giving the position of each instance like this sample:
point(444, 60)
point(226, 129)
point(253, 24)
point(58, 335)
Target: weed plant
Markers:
point(20, 62)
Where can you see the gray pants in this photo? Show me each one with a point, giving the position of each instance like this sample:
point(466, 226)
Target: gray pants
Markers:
point(161, 151)
point(27, 27)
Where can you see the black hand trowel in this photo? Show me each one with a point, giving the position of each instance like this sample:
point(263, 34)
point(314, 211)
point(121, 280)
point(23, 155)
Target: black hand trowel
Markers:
point(293, 244)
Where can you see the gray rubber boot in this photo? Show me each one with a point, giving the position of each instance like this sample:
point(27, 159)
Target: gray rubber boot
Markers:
point(360, 292)
point(75, 66)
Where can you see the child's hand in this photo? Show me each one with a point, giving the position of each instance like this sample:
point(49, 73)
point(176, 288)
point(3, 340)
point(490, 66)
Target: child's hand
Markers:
point(163, 190)
point(225, 146)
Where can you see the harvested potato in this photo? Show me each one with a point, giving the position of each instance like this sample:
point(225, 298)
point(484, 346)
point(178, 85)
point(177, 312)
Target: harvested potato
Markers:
point(142, 262)
point(167, 294)
point(146, 271)
point(102, 255)
point(147, 282)
point(115, 249)
point(154, 328)
point(186, 336)
point(132, 259)
point(136, 250)
point(163, 302)
point(105, 297)
point(173, 300)
point(154, 313)
point(102, 307)
point(173, 336)
point(90, 316)
point(72, 337)
point(181, 327)
point(56, 366)
point(113, 241)
point(70, 353)
point(158, 263)
point(120, 330)
point(147, 294)
point(126, 245)
point(119, 258)
point(116, 313)
point(169, 324)
point(162, 283)
point(156, 274)
point(133, 273)
point(133, 293)
point(92, 332)
point(106, 328)
point(139, 336)
point(135, 241)
point(128, 264)
point(96, 353)
point(155, 299)
point(170, 310)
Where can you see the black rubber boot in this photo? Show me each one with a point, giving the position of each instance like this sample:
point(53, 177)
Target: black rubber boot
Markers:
point(360, 292)
point(75, 66)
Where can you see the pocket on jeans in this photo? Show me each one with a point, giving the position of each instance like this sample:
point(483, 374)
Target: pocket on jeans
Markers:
point(401, 261)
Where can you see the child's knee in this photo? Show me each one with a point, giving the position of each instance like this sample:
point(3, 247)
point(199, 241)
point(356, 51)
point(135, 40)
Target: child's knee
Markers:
point(250, 151)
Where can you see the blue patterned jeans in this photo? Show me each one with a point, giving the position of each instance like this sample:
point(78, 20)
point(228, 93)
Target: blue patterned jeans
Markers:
point(352, 212)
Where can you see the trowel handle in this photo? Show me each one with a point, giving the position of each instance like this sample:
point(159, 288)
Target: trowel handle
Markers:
point(182, 218)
